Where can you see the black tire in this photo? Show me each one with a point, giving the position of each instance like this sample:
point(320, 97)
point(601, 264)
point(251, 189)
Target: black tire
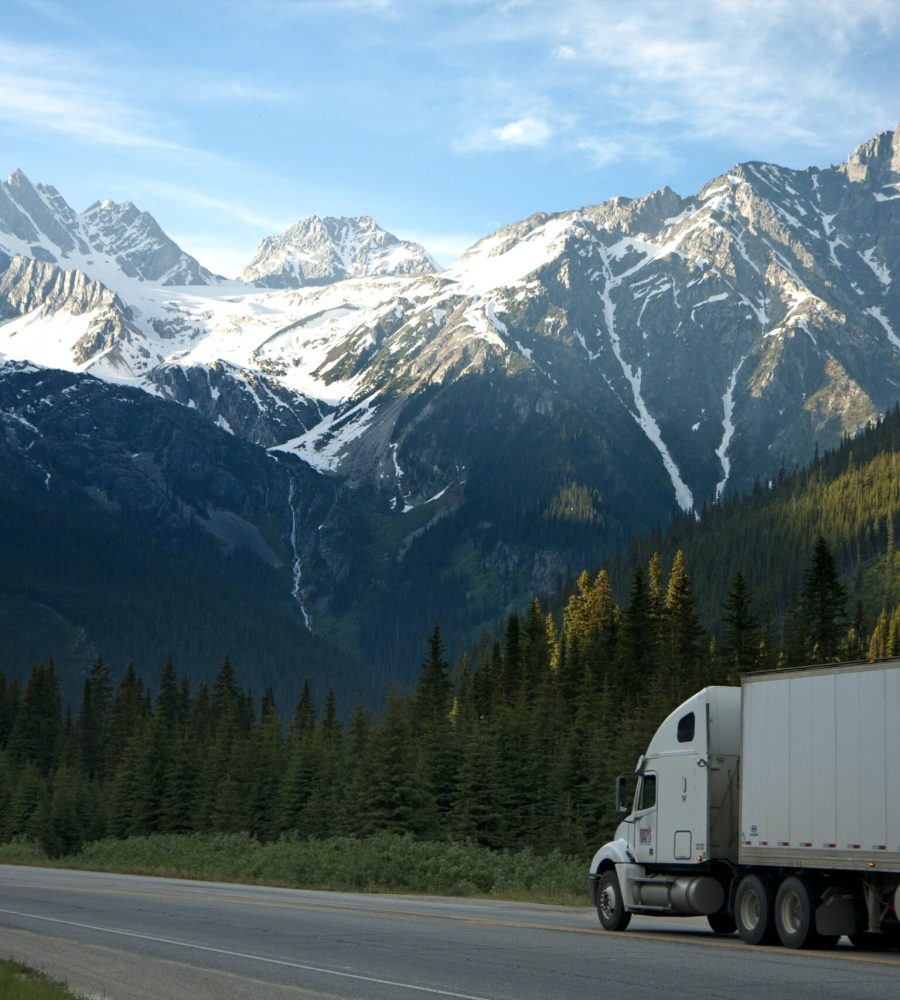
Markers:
point(795, 916)
point(754, 905)
point(610, 908)
point(722, 922)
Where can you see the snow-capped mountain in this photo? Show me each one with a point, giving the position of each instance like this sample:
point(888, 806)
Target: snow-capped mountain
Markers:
point(573, 379)
point(316, 251)
point(104, 239)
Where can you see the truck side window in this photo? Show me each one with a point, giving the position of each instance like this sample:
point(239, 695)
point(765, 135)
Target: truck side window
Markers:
point(686, 728)
point(648, 792)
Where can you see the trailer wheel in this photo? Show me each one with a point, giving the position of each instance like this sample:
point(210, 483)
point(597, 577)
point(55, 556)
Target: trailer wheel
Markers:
point(610, 908)
point(795, 916)
point(754, 904)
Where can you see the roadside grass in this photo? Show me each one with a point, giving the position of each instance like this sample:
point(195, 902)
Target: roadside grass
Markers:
point(18, 982)
point(380, 863)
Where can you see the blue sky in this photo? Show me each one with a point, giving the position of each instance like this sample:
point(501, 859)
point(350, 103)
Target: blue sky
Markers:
point(443, 119)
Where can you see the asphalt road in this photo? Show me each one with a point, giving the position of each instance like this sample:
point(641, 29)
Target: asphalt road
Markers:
point(130, 938)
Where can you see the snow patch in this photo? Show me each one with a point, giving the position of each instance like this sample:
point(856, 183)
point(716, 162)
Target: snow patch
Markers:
point(641, 414)
point(876, 312)
point(727, 428)
point(878, 269)
point(296, 569)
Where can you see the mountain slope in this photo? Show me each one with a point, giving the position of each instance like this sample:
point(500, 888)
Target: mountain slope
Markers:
point(133, 528)
point(850, 496)
point(573, 380)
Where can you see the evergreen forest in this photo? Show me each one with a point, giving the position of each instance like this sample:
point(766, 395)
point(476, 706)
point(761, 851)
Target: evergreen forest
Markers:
point(514, 747)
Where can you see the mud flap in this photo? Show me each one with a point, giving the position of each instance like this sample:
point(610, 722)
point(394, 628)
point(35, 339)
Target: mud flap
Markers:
point(836, 914)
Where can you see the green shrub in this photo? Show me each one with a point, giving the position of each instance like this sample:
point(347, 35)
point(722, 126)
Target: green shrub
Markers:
point(382, 862)
point(18, 982)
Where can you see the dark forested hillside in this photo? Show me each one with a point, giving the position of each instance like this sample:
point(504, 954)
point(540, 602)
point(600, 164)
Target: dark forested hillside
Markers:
point(133, 528)
point(850, 496)
point(515, 747)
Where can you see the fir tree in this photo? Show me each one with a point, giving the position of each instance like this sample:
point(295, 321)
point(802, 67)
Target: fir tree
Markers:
point(823, 603)
point(37, 733)
point(740, 646)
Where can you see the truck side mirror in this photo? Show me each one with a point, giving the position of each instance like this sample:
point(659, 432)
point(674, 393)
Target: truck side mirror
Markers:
point(621, 794)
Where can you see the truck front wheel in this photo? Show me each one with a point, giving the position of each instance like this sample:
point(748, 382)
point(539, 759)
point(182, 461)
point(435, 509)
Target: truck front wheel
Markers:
point(610, 908)
point(754, 905)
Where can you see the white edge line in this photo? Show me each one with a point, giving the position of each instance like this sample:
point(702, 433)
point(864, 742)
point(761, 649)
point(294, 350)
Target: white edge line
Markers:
point(240, 954)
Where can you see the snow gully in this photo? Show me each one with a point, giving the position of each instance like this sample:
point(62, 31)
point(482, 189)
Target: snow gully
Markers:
point(296, 568)
point(727, 428)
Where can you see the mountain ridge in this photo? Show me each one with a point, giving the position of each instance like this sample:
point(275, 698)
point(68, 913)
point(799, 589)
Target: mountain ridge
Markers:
point(573, 379)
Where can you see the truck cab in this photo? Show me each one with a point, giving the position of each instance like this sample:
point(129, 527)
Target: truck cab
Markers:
point(684, 815)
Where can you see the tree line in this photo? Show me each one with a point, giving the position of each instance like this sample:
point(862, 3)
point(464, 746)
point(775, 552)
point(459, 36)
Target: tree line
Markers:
point(515, 747)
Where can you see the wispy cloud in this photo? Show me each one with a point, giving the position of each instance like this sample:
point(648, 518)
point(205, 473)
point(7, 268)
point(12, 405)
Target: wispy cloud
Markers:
point(215, 90)
point(788, 72)
point(190, 197)
point(55, 90)
point(528, 131)
point(55, 12)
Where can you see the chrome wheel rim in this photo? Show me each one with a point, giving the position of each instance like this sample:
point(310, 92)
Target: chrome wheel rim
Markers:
point(750, 909)
point(607, 901)
point(791, 912)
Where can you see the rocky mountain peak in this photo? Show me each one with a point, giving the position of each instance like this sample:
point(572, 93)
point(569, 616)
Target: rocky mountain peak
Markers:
point(876, 161)
point(319, 250)
point(105, 240)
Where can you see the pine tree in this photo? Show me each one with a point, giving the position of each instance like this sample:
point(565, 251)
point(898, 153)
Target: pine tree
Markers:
point(823, 603)
point(324, 811)
point(38, 731)
point(61, 830)
point(127, 792)
point(267, 768)
point(179, 802)
point(28, 800)
point(126, 716)
point(91, 729)
point(512, 661)
point(9, 707)
point(397, 799)
point(854, 646)
point(683, 633)
point(535, 652)
point(431, 718)
point(355, 770)
point(475, 812)
point(638, 628)
point(740, 645)
point(893, 639)
point(878, 642)
point(795, 635)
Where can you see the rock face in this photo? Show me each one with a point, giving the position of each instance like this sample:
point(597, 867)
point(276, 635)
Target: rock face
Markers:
point(316, 251)
point(572, 380)
point(37, 222)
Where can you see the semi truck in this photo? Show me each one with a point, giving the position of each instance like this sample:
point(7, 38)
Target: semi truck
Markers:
point(772, 808)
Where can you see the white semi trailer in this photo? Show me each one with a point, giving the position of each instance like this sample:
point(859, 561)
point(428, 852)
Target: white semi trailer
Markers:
point(773, 809)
